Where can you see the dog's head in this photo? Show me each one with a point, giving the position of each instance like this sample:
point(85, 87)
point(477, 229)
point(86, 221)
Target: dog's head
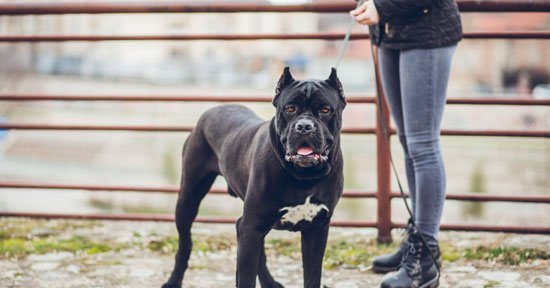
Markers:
point(308, 121)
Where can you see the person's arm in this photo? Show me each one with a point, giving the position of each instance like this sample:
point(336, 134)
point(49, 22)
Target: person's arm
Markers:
point(391, 9)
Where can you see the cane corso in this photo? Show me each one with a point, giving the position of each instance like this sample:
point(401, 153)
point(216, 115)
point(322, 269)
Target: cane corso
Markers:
point(288, 171)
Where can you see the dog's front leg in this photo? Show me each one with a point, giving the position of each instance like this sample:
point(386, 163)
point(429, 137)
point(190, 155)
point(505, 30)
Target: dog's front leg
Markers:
point(250, 245)
point(314, 242)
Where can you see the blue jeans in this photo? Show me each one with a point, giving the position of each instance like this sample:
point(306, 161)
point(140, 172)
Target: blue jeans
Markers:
point(415, 84)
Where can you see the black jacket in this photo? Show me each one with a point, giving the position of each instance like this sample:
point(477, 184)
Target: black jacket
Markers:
point(411, 24)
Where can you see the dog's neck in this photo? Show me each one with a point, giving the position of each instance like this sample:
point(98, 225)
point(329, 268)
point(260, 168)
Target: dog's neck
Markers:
point(307, 174)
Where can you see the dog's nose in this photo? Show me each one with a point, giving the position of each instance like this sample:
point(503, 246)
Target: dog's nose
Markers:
point(304, 126)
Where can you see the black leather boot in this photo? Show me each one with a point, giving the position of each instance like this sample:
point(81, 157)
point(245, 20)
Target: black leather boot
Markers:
point(417, 268)
point(390, 262)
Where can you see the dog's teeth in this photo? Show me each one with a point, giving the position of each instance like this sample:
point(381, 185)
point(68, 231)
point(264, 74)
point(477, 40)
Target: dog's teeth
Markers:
point(288, 157)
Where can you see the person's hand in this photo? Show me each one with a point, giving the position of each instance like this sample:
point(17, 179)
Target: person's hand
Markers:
point(366, 14)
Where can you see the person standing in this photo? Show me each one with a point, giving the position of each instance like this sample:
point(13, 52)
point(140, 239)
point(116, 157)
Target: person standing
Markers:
point(416, 40)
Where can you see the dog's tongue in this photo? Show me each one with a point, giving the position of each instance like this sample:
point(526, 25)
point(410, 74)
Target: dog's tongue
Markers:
point(304, 151)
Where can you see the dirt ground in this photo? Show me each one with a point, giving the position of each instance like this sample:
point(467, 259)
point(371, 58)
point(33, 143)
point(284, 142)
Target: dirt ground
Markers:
point(140, 254)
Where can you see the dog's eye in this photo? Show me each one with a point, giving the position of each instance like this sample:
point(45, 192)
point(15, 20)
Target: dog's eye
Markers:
point(325, 110)
point(291, 109)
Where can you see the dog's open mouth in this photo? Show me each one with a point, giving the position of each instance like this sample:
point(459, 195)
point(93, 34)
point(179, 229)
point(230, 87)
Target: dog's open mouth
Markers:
point(306, 156)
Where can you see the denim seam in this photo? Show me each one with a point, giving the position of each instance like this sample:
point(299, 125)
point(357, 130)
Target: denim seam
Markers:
point(429, 122)
point(439, 163)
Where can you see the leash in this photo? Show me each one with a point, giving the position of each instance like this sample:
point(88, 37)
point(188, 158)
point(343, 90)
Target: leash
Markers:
point(381, 116)
point(346, 38)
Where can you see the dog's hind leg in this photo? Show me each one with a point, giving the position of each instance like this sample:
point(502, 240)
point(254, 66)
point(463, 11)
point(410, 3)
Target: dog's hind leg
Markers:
point(266, 280)
point(197, 177)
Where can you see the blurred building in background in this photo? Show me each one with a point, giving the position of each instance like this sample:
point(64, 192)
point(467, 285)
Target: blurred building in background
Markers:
point(497, 66)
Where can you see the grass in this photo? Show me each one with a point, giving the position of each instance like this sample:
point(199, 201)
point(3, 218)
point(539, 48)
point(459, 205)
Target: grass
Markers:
point(18, 239)
point(449, 253)
point(342, 252)
point(491, 284)
point(505, 255)
point(22, 228)
point(17, 247)
point(201, 243)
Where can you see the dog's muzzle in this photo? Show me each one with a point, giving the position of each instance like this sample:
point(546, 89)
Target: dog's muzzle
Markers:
point(306, 157)
point(305, 145)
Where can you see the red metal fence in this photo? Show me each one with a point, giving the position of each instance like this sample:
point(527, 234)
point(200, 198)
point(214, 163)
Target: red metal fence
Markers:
point(384, 194)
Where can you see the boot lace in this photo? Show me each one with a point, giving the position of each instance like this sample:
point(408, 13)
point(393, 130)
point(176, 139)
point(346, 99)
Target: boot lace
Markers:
point(411, 260)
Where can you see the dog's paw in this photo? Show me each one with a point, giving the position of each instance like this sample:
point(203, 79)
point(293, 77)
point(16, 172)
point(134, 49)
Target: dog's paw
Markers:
point(274, 285)
point(170, 285)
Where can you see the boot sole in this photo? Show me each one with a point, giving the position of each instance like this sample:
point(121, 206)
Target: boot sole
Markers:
point(434, 283)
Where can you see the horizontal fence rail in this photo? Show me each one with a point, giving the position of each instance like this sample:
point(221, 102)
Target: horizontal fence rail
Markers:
point(234, 37)
point(490, 228)
point(349, 130)
point(192, 98)
point(266, 98)
point(158, 128)
point(219, 220)
point(160, 217)
point(477, 197)
point(347, 193)
point(104, 7)
point(164, 189)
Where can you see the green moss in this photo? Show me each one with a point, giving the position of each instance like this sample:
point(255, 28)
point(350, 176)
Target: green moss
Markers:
point(17, 247)
point(346, 252)
point(491, 284)
point(4, 235)
point(340, 251)
point(166, 245)
point(13, 247)
point(21, 237)
point(203, 244)
point(449, 252)
point(219, 243)
point(343, 252)
point(24, 228)
point(505, 255)
point(286, 247)
point(18, 238)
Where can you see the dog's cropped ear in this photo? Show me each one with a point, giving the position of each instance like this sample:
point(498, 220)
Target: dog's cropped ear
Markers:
point(285, 80)
point(334, 82)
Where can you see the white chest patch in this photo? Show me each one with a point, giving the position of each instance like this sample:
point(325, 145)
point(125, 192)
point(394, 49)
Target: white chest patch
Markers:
point(306, 211)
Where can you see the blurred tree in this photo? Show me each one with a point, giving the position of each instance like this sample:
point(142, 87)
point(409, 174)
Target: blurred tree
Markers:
point(170, 167)
point(477, 185)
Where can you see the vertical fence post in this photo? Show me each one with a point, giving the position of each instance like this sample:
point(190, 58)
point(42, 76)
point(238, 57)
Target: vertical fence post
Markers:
point(384, 222)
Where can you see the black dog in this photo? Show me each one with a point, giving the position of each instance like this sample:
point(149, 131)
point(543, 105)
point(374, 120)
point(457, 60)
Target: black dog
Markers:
point(288, 171)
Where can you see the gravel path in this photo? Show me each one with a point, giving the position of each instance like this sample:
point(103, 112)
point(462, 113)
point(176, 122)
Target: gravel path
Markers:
point(134, 266)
